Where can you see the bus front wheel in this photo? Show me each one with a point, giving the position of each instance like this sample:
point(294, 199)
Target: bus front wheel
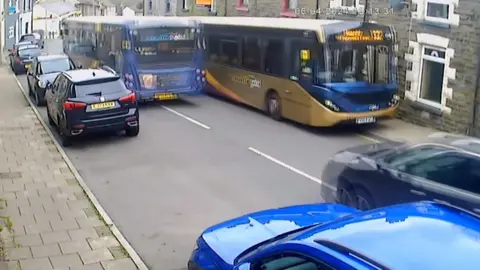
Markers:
point(274, 105)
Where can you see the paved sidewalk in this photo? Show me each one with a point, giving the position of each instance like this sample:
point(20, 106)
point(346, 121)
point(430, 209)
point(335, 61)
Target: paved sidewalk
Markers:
point(47, 215)
point(398, 130)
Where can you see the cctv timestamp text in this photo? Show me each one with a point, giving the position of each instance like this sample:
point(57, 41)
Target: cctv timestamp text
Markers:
point(344, 11)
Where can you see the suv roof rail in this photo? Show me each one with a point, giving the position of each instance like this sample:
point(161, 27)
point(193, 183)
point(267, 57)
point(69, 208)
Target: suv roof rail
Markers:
point(109, 69)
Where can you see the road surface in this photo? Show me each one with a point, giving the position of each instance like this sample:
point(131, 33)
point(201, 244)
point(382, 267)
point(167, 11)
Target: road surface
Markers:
point(198, 162)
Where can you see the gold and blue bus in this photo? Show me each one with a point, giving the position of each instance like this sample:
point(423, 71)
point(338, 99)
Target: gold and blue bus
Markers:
point(315, 72)
point(159, 58)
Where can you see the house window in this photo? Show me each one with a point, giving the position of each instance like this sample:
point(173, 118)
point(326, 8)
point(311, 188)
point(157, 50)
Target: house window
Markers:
point(292, 4)
point(168, 6)
point(437, 10)
point(348, 3)
point(431, 76)
point(244, 3)
point(186, 5)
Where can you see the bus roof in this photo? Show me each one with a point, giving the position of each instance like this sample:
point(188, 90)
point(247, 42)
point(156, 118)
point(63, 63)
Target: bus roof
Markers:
point(280, 23)
point(140, 21)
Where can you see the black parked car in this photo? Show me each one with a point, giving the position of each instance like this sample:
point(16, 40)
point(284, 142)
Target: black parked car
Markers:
point(91, 100)
point(443, 168)
point(44, 70)
point(21, 57)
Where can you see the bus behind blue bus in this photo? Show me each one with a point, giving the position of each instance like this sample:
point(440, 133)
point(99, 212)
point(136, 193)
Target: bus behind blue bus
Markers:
point(159, 58)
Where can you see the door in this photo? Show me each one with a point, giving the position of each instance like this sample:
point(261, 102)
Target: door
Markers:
point(451, 178)
point(408, 183)
point(53, 98)
point(295, 100)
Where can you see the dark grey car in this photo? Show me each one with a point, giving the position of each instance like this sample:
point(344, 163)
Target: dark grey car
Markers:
point(45, 69)
point(34, 38)
point(22, 58)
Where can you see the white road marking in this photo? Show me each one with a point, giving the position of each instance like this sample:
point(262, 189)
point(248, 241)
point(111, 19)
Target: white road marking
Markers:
point(186, 117)
point(291, 168)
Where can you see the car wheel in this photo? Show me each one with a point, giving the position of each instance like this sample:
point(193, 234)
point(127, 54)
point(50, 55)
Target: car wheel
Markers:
point(274, 106)
point(38, 100)
point(363, 200)
point(346, 196)
point(132, 131)
point(66, 140)
point(50, 119)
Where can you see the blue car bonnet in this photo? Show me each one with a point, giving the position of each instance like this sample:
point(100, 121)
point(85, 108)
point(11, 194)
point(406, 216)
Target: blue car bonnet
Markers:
point(230, 238)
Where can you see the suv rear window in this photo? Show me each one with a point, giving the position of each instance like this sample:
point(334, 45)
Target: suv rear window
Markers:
point(102, 86)
point(28, 38)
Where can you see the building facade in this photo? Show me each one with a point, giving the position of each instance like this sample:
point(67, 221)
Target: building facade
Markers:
point(17, 20)
point(48, 15)
point(96, 8)
point(438, 49)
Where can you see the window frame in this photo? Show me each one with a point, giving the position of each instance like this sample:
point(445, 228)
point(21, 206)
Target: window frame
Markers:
point(439, 60)
point(436, 19)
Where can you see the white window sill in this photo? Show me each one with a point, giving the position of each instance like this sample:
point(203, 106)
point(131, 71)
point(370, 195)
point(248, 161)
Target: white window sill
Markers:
point(431, 103)
point(438, 20)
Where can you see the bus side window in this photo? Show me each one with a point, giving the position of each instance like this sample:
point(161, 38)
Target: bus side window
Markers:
point(213, 46)
point(274, 57)
point(251, 53)
point(229, 52)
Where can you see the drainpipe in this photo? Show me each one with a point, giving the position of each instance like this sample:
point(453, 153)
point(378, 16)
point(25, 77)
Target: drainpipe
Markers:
point(473, 120)
point(225, 2)
point(365, 11)
point(317, 7)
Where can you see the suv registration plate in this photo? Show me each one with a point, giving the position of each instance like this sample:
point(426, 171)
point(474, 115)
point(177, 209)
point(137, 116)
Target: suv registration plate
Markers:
point(104, 105)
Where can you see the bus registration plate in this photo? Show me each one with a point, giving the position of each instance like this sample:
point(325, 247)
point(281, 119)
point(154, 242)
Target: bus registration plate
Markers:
point(165, 96)
point(365, 120)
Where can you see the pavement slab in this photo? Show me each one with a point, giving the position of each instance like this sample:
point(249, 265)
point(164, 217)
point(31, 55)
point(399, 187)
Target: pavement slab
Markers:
point(43, 203)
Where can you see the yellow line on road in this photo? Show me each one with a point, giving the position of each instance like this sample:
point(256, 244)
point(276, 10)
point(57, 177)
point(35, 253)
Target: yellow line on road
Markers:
point(368, 138)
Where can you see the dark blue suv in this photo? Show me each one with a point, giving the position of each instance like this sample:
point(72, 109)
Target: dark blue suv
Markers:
point(91, 100)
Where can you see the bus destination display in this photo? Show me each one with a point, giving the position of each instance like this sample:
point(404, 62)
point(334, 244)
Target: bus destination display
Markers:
point(361, 36)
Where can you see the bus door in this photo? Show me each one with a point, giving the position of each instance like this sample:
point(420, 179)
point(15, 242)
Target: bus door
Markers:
point(296, 99)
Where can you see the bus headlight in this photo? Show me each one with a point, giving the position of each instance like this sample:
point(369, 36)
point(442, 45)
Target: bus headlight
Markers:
point(198, 78)
point(197, 71)
point(203, 79)
point(203, 72)
point(394, 101)
point(42, 84)
point(331, 105)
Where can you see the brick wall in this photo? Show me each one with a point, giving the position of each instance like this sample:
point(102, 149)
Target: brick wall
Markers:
point(456, 113)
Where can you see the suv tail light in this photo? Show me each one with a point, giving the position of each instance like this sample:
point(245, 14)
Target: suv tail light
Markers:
point(130, 99)
point(69, 106)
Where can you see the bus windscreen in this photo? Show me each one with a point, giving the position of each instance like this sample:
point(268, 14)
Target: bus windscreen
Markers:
point(164, 45)
point(360, 63)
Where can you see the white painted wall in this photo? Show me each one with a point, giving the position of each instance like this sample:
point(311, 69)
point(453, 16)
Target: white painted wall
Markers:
point(128, 12)
point(24, 24)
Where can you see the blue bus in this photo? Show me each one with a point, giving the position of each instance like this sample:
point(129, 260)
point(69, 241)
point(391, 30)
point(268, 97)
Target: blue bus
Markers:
point(159, 58)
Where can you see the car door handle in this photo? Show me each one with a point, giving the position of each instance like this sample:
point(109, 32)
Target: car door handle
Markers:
point(288, 91)
point(418, 192)
point(441, 201)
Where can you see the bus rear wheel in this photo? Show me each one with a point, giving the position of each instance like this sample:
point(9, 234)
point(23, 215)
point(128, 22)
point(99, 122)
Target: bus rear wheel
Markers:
point(274, 106)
